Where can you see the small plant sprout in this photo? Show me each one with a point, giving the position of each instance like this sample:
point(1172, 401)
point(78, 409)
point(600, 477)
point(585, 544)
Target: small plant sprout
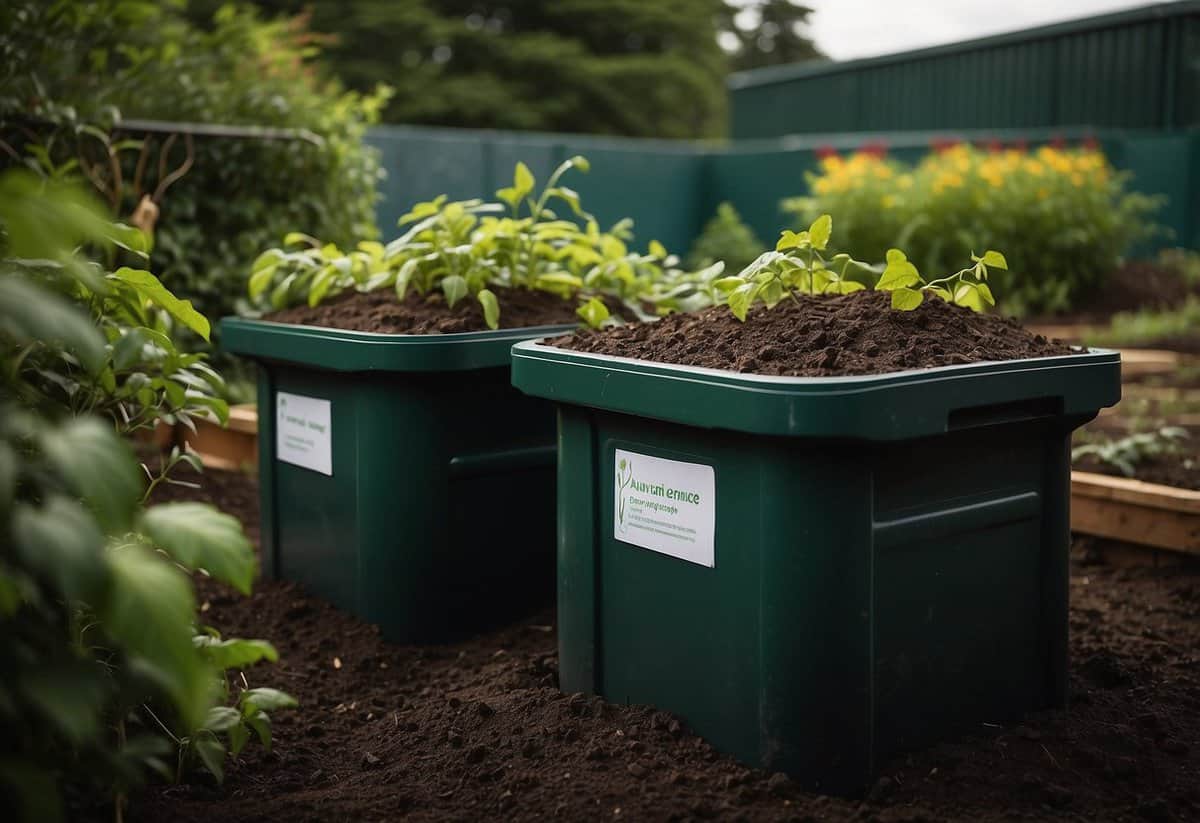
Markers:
point(796, 266)
point(1124, 454)
point(799, 265)
point(967, 287)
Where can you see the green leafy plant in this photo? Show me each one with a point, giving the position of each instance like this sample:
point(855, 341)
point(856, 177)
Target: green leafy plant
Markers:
point(285, 151)
point(726, 238)
point(1064, 215)
point(1147, 327)
point(966, 287)
point(1125, 453)
point(99, 669)
point(472, 248)
point(799, 265)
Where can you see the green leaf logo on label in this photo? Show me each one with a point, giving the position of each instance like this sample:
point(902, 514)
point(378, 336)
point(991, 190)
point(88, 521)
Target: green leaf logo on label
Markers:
point(624, 478)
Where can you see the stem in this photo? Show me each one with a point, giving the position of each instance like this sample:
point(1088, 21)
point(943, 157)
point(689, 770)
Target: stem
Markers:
point(161, 725)
point(119, 796)
point(957, 275)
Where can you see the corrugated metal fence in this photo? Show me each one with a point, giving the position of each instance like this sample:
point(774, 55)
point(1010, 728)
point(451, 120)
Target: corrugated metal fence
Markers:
point(1134, 69)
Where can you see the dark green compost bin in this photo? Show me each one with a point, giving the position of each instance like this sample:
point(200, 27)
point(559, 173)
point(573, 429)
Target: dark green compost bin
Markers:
point(816, 573)
point(402, 477)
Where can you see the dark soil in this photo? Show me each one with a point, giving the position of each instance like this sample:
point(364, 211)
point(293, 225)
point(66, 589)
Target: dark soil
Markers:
point(380, 311)
point(1179, 470)
point(857, 333)
point(478, 731)
point(1137, 284)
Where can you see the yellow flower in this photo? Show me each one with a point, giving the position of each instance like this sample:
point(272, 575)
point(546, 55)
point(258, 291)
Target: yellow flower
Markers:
point(831, 163)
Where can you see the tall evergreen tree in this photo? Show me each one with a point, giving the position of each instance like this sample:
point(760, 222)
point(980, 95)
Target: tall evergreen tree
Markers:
point(759, 33)
point(648, 68)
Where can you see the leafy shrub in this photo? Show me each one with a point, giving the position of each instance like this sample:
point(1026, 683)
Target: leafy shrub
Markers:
point(798, 265)
point(69, 72)
point(103, 674)
point(470, 247)
point(1151, 326)
point(1063, 215)
point(1126, 453)
point(727, 238)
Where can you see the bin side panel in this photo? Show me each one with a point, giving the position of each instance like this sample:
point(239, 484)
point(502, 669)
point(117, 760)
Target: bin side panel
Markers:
point(438, 517)
point(815, 711)
point(316, 514)
point(960, 629)
point(677, 634)
point(499, 562)
point(268, 535)
point(577, 536)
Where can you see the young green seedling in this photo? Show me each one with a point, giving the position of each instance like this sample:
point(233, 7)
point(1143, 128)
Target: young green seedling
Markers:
point(967, 287)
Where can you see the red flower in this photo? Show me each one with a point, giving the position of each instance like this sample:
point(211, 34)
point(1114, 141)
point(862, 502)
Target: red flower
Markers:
point(874, 148)
point(826, 151)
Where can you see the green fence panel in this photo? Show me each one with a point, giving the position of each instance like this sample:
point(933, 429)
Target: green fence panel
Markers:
point(1133, 69)
point(658, 183)
point(671, 188)
point(756, 175)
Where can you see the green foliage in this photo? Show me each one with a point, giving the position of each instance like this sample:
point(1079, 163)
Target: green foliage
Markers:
point(470, 248)
point(71, 71)
point(1126, 453)
point(726, 238)
point(758, 33)
point(1151, 326)
point(1063, 215)
point(649, 69)
point(1184, 261)
point(799, 265)
point(99, 669)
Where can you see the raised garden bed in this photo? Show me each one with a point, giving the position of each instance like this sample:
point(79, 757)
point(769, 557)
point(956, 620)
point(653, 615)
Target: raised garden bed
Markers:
point(228, 447)
point(828, 548)
point(1135, 511)
point(391, 467)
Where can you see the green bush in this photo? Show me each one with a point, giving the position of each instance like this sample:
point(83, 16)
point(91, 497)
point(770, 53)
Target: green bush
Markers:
point(105, 672)
point(725, 237)
point(1063, 216)
point(69, 71)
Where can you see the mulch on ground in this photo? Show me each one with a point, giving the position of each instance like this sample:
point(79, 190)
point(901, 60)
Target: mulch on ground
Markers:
point(478, 730)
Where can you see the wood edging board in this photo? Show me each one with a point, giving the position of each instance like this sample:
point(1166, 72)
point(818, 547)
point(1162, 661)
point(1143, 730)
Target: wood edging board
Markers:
point(1135, 511)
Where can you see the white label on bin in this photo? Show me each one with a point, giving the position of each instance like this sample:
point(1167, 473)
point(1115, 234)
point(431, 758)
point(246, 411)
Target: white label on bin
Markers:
point(303, 432)
point(666, 506)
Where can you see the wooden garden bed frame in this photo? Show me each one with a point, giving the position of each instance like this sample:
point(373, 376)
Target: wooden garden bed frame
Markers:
point(1135, 511)
point(233, 447)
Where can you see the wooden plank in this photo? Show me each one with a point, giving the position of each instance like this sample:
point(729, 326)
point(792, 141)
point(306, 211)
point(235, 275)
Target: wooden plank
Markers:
point(1140, 362)
point(232, 447)
point(244, 418)
point(1131, 490)
point(1136, 512)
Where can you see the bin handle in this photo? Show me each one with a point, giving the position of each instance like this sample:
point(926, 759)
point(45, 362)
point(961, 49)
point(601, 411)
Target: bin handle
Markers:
point(499, 462)
point(991, 414)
